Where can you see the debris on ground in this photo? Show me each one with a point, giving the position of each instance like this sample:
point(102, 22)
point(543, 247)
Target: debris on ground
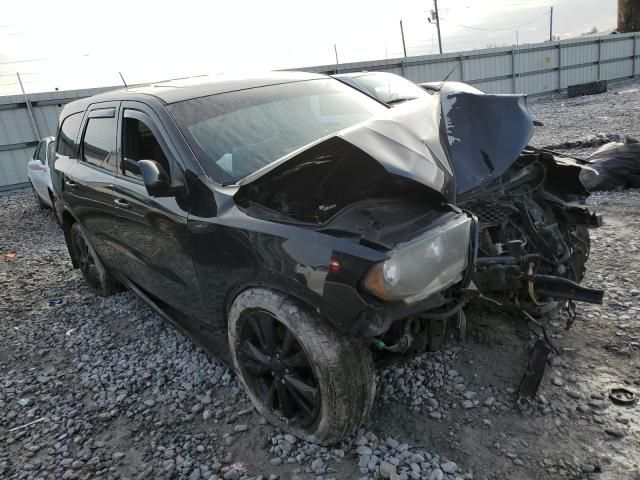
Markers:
point(7, 257)
point(614, 166)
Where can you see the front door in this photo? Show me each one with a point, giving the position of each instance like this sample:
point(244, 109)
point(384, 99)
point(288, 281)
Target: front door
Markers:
point(153, 231)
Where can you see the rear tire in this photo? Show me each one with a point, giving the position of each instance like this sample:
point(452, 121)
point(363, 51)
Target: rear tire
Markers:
point(95, 275)
point(337, 376)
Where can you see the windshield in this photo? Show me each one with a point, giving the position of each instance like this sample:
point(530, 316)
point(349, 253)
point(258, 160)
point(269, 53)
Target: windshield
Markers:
point(235, 134)
point(388, 88)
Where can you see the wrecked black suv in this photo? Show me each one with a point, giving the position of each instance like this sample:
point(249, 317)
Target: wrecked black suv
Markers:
point(286, 221)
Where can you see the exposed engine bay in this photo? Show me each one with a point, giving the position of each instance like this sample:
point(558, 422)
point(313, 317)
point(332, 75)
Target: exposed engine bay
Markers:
point(337, 188)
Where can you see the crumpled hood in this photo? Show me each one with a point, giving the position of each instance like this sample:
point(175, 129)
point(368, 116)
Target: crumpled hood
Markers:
point(450, 142)
point(404, 141)
point(407, 142)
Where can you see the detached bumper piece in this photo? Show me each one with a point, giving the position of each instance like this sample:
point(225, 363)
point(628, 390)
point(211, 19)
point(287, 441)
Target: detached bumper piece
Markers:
point(559, 287)
point(532, 377)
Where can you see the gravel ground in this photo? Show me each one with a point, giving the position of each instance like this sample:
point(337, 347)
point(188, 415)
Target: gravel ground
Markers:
point(114, 392)
point(568, 119)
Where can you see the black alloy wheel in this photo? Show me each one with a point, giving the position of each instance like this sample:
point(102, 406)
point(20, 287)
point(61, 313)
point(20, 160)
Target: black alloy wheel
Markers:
point(276, 367)
point(300, 373)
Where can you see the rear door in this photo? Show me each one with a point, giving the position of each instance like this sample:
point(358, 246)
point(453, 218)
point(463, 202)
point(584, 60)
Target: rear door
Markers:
point(153, 231)
point(88, 181)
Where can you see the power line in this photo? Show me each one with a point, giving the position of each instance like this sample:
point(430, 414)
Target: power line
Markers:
point(13, 74)
point(24, 61)
point(505, 28)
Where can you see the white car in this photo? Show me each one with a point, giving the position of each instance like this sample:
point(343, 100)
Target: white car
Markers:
point(38, 172)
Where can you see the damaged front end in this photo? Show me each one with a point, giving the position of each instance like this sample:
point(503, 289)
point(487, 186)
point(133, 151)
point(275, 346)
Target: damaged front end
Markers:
point(449, 190)
point(533, 239)
point(533, 242)
point(382, 186)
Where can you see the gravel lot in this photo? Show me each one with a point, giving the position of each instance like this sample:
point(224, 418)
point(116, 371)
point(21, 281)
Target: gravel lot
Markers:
point(114, 392)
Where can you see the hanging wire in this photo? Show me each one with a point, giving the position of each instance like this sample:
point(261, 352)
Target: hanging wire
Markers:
point(493, 29)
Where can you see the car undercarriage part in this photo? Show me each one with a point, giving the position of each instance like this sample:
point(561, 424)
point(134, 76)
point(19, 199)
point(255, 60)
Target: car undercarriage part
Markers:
point(533, 246)
point(425, 330)
point(532, 377)
point(531, 253)
point(622, 396)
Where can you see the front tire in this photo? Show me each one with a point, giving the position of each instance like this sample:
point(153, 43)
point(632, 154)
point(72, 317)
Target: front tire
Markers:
point(95, 275)
point(300, 374)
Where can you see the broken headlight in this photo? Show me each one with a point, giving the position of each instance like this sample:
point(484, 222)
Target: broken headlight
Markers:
point(424, 265)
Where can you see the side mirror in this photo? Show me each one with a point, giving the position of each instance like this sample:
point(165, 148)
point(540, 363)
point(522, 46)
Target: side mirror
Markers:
point(155, 178)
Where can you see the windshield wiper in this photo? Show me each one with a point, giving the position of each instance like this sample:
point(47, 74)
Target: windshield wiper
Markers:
point(400, 100)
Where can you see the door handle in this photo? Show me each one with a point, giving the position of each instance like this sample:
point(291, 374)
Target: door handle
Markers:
point(118, 202)
point(71, 185)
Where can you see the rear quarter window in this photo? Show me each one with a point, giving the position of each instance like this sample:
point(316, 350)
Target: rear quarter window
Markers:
point(68, 135)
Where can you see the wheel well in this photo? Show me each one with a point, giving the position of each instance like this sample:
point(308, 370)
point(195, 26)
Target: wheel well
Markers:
point(296, 292)
point(67, 222)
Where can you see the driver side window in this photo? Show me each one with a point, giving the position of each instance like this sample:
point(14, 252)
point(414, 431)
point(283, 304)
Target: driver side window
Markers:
point(139, 143)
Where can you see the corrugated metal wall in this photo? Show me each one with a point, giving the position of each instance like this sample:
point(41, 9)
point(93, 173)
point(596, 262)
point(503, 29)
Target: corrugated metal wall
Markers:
point(533, 69)
point(19, 138)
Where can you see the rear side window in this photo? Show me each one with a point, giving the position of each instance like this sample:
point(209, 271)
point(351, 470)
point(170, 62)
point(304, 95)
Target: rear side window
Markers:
point(99, 143)
point(68, 134)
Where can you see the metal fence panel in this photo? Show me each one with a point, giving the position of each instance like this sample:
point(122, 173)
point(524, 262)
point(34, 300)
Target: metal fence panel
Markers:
point(13, 167)
point(579, 54)
point(578, 75)
point(618, 69)
point(15, 126)
point(480, 68)
point(539, 83)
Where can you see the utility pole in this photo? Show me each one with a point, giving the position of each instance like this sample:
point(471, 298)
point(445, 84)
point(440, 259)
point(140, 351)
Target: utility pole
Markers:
point(335, 50)
point(34, 125)
point(435, 2)
point(628, 16)
point(551, 24)
point(404, 47)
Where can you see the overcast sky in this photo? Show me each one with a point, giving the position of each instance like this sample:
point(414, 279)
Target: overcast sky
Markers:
point(76, 44)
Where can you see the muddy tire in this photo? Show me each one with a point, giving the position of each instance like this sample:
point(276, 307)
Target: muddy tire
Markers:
point(95, 275)
point(300, 374)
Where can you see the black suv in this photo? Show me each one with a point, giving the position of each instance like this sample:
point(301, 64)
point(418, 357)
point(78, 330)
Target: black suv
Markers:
point(285, 221)
point(301, 228)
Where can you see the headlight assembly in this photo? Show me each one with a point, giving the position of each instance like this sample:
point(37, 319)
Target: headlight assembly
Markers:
point(424, 265)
